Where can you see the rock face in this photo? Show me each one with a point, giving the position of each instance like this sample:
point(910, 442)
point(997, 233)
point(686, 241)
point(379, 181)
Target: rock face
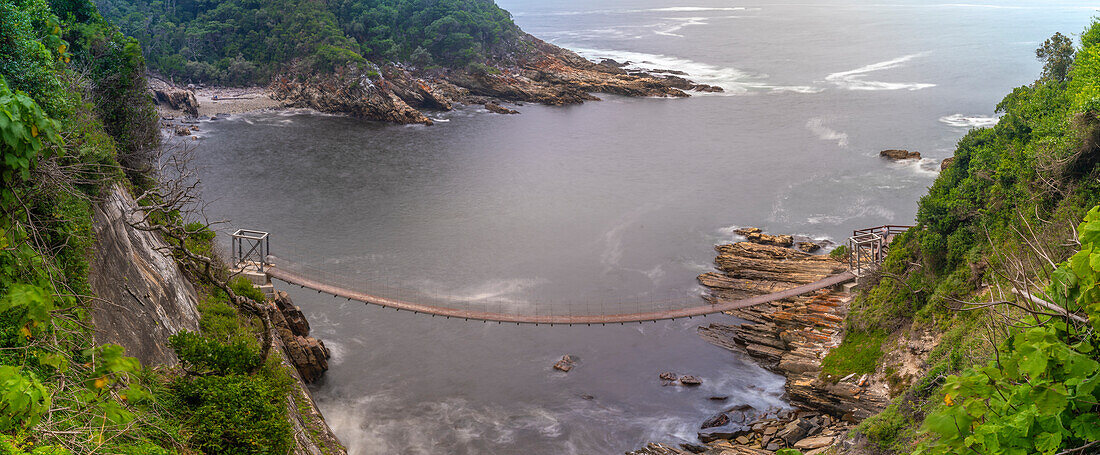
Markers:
point(144, 297)
point(898, 155)
point(174, 97)
point(747, 269)
point(308, 354)
point(807, 247)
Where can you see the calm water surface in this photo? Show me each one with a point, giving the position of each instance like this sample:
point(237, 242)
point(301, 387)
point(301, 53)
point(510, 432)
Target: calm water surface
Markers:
point(608, 201)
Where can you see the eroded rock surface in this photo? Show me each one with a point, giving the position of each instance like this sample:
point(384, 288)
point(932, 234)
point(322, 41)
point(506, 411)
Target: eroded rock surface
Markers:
point(143, 296)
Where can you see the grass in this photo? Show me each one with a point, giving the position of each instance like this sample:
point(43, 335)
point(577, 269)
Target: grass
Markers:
point(858, 353)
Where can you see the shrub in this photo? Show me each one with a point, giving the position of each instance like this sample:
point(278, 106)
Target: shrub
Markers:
point(839, 253)
point(236, 414)
point(246, 289)
point(22, 398)
point(203, 355)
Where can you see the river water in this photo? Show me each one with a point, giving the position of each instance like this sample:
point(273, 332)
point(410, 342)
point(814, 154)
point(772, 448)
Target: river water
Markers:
point(618, 200)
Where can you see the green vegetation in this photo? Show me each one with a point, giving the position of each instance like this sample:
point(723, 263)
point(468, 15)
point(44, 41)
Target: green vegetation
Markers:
point(246, 41)
point(75, 120)
point(858, 353)
point(1041, 394)
point(1002, 216)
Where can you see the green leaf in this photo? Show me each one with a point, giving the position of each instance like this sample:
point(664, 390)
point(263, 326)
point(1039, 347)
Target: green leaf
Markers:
point(1049, 400)
point(1047, 442)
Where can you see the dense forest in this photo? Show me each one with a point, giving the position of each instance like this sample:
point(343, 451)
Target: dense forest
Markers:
point(241, 42)
point(76, 123)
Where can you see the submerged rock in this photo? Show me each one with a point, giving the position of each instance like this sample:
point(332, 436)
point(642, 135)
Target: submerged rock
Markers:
point(494, 107)
point(690, 380)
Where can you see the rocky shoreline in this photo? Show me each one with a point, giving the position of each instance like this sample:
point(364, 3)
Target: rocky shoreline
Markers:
point(396, 93)
point(788, 337)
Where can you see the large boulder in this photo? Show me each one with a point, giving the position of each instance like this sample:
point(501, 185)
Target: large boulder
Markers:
point(174, 97)
point(898, 155)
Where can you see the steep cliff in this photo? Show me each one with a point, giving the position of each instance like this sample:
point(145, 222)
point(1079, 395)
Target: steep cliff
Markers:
point(143, 297)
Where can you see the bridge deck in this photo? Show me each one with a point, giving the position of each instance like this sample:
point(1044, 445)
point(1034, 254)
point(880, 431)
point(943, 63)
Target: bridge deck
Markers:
point(292, 277)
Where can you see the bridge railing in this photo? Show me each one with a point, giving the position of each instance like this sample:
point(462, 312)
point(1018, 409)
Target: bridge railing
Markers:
point(868, 247)
point(476, 308)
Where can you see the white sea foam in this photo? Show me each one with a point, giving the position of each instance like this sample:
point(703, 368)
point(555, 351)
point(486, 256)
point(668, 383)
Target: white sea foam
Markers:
point(817, 126)
point(499, 291)
point(858, 210)
point(679, 23)
point(854, 79)
point(671, 9)
point(924, 167)
point(969, 121)
point(732, 80)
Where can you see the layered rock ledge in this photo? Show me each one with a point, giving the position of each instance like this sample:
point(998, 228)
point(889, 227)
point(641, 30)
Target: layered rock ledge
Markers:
point(788, 337)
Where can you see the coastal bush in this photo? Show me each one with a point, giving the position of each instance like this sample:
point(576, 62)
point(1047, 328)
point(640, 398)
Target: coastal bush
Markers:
point(1041, 393)
point(201, 355)
point(236, 414)
point(889, 430)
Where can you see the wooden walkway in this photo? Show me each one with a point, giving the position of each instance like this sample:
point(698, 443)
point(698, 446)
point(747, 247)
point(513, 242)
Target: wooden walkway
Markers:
point(295, 278)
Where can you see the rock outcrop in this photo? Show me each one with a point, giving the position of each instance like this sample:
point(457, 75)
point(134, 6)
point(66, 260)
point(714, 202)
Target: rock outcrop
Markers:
point(566, 363)
point(541, 73)
point(308, 354)
point(789, 337)
point(946, 163)
point(898, 155)
point(174, 97)
point(346, 93)
point(143, 296)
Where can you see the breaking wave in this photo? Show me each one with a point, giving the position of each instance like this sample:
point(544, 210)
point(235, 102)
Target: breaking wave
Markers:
point(853, 79)
point(968, 121)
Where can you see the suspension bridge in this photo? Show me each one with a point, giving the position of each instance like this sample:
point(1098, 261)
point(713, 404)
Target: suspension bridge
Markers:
point(251, 255)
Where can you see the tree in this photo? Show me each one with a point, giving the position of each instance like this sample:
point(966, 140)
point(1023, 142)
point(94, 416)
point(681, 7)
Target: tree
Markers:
point(1056, 53)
